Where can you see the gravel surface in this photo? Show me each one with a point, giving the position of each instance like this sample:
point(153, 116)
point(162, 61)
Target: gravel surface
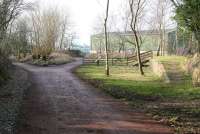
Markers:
point(60, 103)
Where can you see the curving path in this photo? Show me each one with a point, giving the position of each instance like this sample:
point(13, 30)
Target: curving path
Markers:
point(60, 103)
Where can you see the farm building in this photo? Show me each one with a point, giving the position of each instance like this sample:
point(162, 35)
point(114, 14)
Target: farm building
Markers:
point(174, 42)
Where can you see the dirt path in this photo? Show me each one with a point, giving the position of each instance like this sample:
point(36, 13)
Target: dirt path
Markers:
point(60, 103)
point(174, 71)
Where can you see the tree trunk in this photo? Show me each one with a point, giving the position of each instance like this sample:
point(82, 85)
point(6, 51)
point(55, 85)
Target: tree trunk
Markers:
point(106, 39)
point(197, 35)
point(158, 51)
point(124, 51)
point(133, 24)
point(138, 53)
point(106, 42)
point(198, 45)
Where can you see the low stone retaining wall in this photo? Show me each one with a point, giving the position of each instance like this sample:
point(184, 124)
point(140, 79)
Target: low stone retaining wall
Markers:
point(159, 69)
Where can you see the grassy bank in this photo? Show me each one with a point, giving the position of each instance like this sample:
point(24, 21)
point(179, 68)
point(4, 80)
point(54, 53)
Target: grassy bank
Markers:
point(170, 103)
point(129, 79)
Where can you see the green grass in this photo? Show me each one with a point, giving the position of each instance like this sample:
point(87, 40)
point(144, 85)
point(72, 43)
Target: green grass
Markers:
point(170, 103)
point(166, 60)
point(127, 78)
point(179, 59)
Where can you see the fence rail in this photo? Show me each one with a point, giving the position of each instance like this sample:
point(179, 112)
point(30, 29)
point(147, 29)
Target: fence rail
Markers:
point(133, 60)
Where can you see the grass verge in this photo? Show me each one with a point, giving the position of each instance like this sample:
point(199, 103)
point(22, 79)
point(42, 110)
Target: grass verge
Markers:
point(169, 103)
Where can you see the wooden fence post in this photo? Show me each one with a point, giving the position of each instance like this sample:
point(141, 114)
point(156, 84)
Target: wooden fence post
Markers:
point(98, 62)
point(112, 62)
point(127, 61)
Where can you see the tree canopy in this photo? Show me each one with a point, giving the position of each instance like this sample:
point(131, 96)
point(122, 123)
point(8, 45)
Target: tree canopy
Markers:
point(188, 16)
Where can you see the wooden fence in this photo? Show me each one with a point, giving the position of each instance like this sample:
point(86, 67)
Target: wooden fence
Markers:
point(145, 57)
point(132, 60)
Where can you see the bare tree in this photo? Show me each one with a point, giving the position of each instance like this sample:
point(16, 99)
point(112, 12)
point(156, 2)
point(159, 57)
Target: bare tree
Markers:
point(106, 38)
point(71, 37)
point(9, 11)
point(125, 39)
point(125, 17)
point(46, 31)
point(176, 2)
point(18, 39)
point(98, 41)
point(136, 8)
point(63, 32)
point(6, 15)
point(160, 21)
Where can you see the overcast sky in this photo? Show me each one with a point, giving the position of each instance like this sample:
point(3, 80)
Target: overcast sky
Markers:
point(83, 13)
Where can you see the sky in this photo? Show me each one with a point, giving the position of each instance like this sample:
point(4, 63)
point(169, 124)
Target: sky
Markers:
point(83, 13)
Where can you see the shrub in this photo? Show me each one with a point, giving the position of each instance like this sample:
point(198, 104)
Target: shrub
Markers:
point(59, 58)
point(53, 59)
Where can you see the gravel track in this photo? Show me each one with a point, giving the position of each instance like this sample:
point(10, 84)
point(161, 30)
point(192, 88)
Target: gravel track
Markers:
point(60, 103)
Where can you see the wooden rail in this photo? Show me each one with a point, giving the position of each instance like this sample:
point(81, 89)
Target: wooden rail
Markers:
point(146, 56)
